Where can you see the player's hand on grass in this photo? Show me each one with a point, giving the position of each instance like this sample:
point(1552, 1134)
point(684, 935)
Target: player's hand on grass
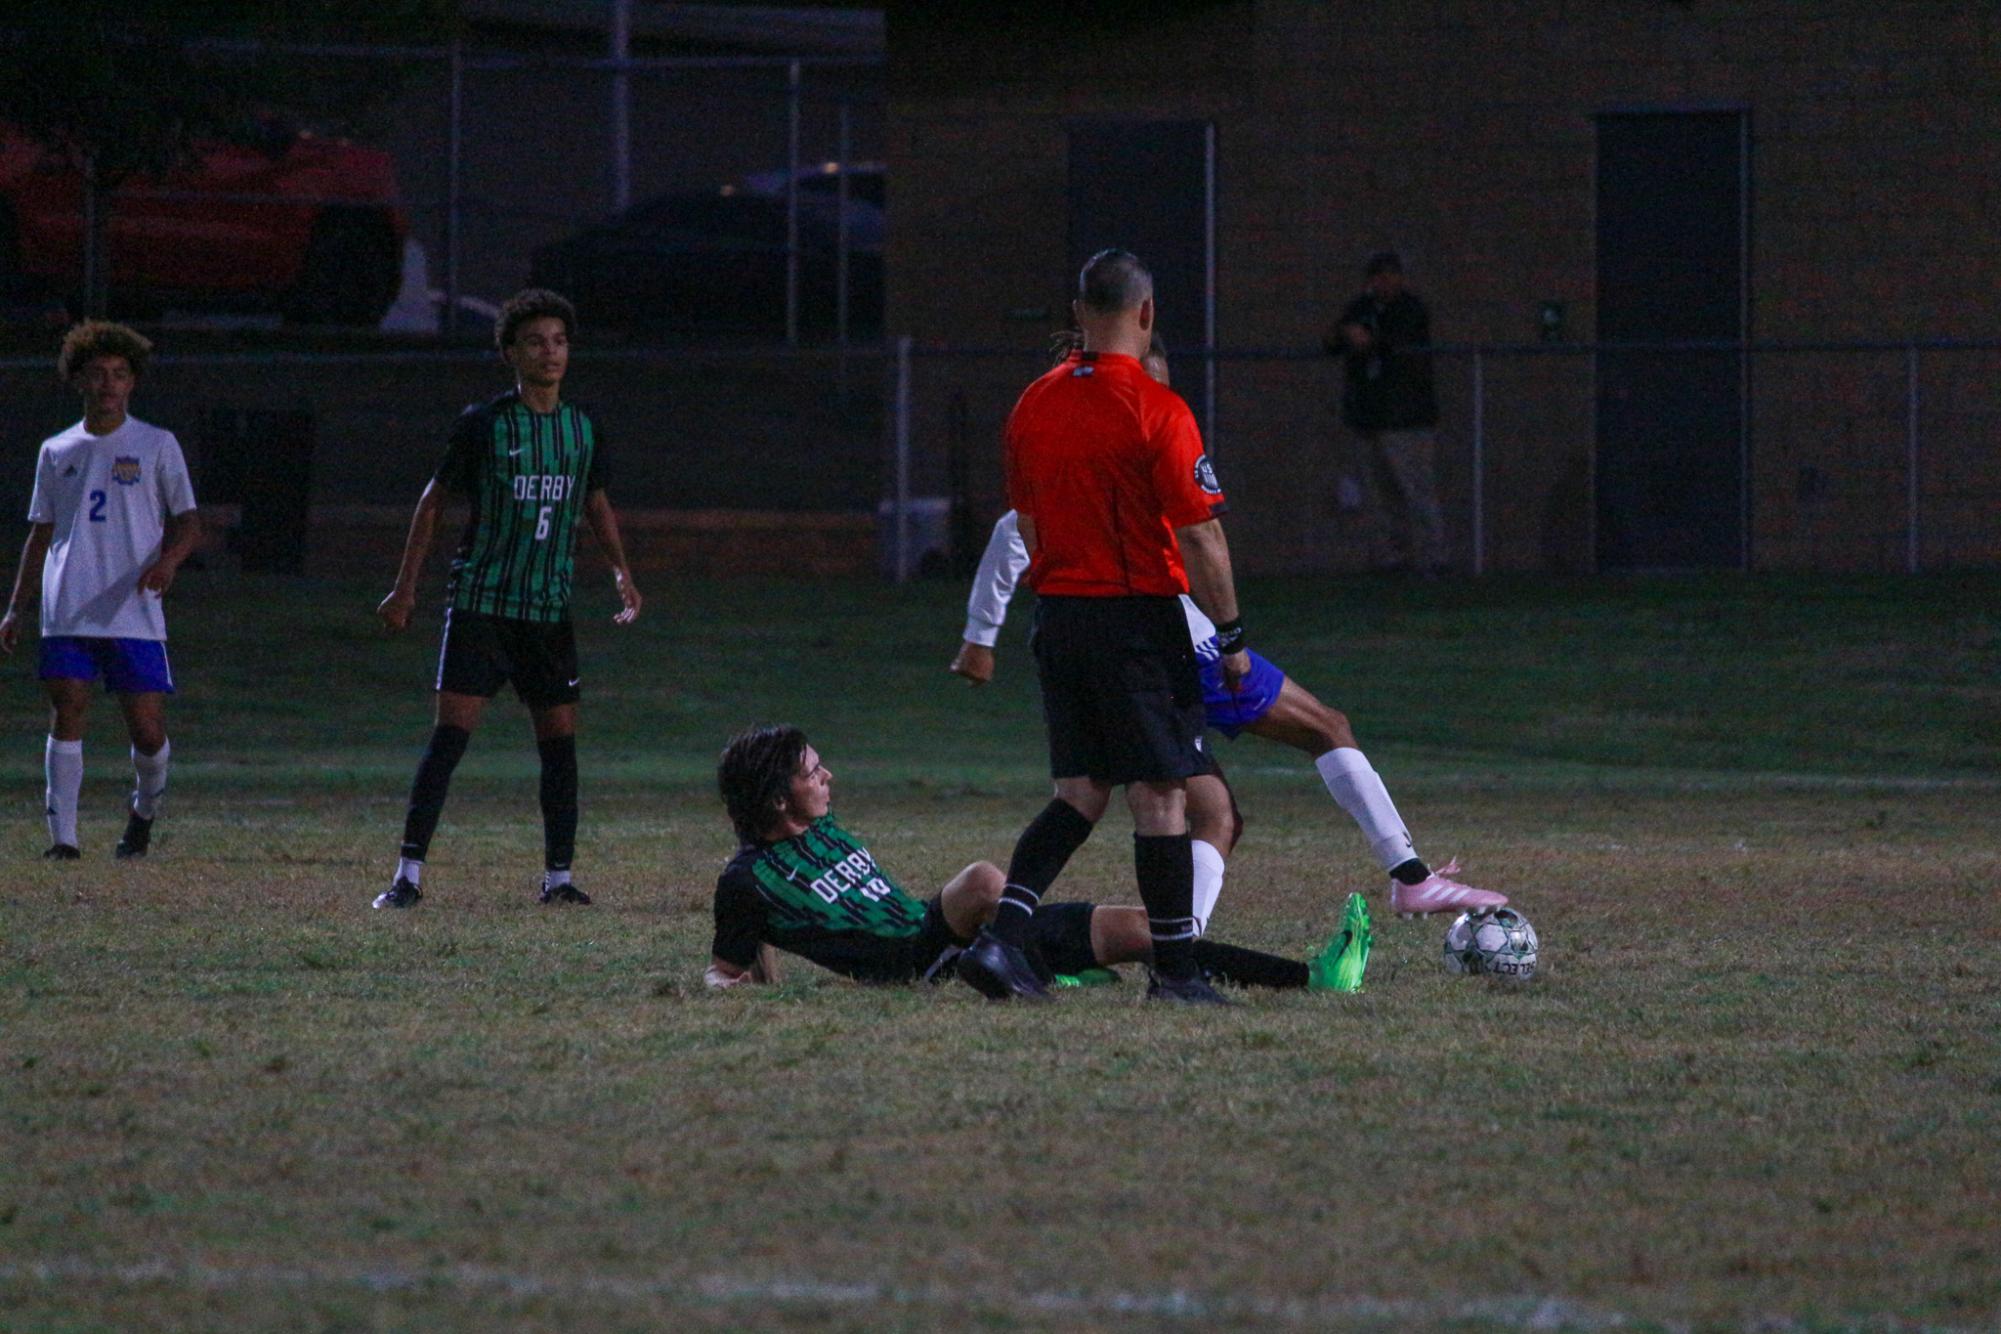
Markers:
point(395, 610)
point(10, 631)
point(628, 593)
point(1236, 666)
point(973, 661)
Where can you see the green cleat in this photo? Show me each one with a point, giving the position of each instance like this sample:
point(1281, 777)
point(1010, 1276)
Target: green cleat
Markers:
point(1087, 977)
point(1340, 965)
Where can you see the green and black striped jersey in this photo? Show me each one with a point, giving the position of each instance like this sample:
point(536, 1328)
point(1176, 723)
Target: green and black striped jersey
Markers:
point(527, 474)
point(820, 895)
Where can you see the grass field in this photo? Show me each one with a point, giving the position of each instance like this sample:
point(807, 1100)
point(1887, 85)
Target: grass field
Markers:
point(1758, 1086)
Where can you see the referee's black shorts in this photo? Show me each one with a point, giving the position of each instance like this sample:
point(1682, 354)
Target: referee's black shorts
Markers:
point(482, 653)
point(1121, 693)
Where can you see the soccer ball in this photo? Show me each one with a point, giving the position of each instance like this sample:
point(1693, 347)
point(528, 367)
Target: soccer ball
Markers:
point(1500, 943)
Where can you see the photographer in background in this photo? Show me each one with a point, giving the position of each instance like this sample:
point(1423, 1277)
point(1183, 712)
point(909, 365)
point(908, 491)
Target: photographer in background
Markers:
point(1389, 402)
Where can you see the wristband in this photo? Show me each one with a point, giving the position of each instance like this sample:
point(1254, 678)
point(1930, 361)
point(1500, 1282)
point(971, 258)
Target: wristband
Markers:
point(1230, 636)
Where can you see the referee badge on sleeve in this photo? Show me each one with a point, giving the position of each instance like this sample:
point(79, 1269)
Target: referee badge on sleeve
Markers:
point(1205, 476)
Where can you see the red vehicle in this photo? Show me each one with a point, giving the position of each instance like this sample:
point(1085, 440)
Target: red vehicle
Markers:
point(297, 224)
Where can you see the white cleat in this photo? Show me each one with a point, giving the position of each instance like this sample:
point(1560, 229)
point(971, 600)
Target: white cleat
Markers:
point(1439, 892)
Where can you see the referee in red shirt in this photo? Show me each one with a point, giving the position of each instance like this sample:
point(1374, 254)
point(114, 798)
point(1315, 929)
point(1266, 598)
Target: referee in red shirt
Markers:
point(1119, 509)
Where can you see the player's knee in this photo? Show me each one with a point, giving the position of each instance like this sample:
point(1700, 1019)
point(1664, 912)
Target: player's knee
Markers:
point(1332, 730)
point(148, 738)
point(1211, 821)
point(986, 882)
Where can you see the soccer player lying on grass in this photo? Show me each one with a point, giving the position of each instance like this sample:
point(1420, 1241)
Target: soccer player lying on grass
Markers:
point(1266, 703)
point(802, 884)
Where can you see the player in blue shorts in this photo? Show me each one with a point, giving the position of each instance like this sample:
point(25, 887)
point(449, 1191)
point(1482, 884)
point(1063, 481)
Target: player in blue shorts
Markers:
point(112, 518)
point(1266, 703)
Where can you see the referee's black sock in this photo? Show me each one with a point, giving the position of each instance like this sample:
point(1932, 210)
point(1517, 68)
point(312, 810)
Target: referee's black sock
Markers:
point(559, 801)
point(427, 793)
point(1040, 855)
point(1166, 867)
point(1247, 968)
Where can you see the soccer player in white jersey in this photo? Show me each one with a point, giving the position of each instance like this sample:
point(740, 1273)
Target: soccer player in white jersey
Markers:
point(1266, 703)
point(112, 518)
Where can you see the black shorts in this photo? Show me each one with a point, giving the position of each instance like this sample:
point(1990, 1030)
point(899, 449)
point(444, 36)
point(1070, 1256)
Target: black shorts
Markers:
point(1121, 691)
point(482, 653)
point(924, 955)
point(1058, 942)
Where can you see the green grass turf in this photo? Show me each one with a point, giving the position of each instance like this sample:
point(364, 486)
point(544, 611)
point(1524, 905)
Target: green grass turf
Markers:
point(1761, 1077)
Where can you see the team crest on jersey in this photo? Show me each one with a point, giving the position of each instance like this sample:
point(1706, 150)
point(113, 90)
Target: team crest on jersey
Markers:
point(1205, 476)
point(125, 470)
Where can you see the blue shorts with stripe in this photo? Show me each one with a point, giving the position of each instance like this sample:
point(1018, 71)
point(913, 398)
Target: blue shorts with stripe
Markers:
point(128, 666)
point(1255, 695)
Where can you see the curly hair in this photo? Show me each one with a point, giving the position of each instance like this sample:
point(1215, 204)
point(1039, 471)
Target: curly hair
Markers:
point(532, 303)
point(101, 338)
point(755, 774)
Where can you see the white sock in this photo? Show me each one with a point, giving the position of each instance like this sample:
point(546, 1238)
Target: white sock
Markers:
point(555, 878)
point(1208, 881)
point(63, 761)
point(149, 780)
point(409, 870)
point(1359, 790)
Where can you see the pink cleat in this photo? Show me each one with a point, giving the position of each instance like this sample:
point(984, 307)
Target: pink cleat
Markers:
point(1439, 892)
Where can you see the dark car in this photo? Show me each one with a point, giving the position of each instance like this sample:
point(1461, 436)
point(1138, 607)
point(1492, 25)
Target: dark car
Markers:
point(704, 264)
point(306, 226)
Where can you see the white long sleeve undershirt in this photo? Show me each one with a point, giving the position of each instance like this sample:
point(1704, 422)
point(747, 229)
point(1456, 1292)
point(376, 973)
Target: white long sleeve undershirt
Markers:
point(1001, 566)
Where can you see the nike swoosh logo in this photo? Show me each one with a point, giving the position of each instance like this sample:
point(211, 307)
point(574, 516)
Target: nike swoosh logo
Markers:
point(575, 679)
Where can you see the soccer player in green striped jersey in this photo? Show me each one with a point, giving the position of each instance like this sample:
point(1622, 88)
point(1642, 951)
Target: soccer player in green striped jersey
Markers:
point(802, 883)
point(533, 467)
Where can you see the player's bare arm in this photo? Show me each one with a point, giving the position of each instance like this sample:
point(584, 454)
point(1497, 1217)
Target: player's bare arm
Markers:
point(1206, 554)
point(183, 535)
point(402, 600)
point(27, 583)
point(604, 527)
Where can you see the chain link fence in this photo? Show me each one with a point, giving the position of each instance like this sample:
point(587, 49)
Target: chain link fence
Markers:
point(751, 187)
point(1857, 457)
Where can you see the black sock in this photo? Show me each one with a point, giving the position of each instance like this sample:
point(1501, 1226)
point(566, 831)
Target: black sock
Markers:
point(1247, 968)
point(427, 792)
point(1411, 871)
point(1166, 870)
point(559, 801)
point(1040, 855)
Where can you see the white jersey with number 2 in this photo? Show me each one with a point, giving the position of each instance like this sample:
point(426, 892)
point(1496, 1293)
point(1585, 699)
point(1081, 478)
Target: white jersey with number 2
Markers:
point(108, 497)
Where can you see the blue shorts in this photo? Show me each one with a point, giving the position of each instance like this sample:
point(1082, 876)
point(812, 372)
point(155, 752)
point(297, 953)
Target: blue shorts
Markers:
point(128, 666)
point(1256, 693)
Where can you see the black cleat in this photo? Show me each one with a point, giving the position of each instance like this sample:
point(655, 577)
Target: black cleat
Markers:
point(1183, 991)
point(62, 852)
point(563, 893)
point(402, 894)
point(138, 838)
point(998, 971)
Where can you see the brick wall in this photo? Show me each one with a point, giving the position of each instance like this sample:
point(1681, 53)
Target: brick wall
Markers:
point(1460, 132)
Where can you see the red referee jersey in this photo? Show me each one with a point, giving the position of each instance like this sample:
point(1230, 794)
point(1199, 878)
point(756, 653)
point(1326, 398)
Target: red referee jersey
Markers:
point(1108, 462)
